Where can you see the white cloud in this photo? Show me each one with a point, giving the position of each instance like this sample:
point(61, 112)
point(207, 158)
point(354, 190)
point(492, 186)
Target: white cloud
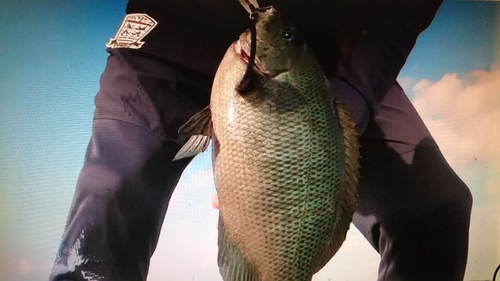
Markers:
point(356, 260)
point(187, 249)
point(484, 236)
point(463, 115)
point(23, 267)
point(185, 254)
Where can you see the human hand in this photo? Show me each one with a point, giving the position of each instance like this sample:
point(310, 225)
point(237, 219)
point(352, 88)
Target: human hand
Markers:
point(215, 202)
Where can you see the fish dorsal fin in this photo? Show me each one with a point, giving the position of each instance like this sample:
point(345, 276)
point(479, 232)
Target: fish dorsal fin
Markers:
point(351, 145)
point(199, 127)
point(232, 265)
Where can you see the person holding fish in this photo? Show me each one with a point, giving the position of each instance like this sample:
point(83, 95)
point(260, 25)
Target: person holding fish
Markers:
point(285, 141)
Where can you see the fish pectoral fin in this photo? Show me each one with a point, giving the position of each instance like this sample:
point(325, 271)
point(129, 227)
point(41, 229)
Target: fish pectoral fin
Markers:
point(199, 124)
point(199, 127)
point(232, 265)
point(195, 145)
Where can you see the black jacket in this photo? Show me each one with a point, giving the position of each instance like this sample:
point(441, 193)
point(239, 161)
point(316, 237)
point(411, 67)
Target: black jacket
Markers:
point(196, 33)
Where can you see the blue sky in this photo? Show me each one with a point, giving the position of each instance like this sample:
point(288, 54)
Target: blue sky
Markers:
point(465, 31)
point(51, 56)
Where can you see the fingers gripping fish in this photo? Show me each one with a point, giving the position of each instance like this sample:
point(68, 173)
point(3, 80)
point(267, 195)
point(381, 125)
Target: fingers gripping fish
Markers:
point(285, 157)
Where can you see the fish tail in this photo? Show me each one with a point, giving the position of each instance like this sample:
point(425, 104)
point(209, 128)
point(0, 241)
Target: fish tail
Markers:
point(232, 265)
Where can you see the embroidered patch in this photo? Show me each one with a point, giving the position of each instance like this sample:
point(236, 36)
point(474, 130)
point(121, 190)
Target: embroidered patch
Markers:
point(132, 30)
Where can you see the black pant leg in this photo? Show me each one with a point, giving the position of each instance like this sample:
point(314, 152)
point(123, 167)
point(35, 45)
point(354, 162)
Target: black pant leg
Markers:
point(412, 207)
point(128, 176)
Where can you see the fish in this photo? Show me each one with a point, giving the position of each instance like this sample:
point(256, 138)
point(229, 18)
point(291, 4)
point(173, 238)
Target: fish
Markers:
point(285, 157)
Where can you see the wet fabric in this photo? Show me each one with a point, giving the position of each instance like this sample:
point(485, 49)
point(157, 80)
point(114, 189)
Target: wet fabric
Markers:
point(412, 207)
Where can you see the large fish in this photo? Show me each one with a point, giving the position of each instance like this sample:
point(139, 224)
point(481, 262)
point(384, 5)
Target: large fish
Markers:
point(285, 157)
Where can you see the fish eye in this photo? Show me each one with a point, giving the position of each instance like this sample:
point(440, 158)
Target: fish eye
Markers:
point(289, 35)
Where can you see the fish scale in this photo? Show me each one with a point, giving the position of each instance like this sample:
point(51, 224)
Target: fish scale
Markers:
point(285, 160)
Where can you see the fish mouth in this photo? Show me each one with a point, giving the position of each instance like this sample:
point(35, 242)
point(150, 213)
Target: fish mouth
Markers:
point(242, 47)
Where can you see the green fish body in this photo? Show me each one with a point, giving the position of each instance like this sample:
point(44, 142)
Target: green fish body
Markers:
point(285, 159)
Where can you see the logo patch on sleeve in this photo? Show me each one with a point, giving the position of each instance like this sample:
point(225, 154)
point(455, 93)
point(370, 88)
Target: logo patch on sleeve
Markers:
point(132, 30)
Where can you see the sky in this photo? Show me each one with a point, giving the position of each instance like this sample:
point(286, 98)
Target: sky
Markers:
point(52, 54)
